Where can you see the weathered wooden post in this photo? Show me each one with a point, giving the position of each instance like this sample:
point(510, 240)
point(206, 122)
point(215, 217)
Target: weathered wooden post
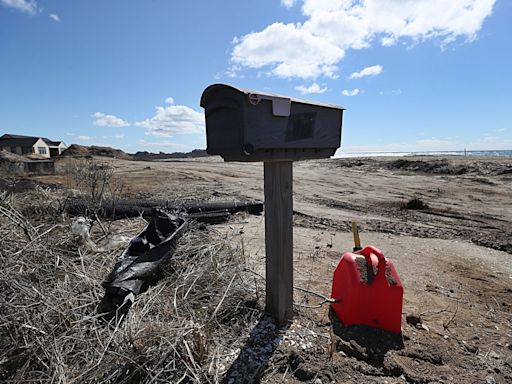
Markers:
point(279, 239)
point(244, 125)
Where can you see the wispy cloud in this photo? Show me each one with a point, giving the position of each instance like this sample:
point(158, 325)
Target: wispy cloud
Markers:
point(313, 88)
point(84, 137)
point(315, 47)
point(27, 6)
point(173, 119)
point(54, 17)
point(432, 144)
point(353, 92)
point(163, 145)
point(485, 142)
point(104, 120)
point(288, 3)
point(436, 143)
point(374, 70)
point(396, 92)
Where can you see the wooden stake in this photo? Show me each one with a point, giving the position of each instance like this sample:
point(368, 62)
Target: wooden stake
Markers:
point(279, 239)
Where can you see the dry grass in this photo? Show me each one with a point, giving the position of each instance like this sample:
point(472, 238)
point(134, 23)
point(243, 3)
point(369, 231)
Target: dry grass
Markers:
point(184, 329)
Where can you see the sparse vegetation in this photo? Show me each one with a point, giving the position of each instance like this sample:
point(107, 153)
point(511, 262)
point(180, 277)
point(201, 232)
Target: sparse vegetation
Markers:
point(95, 178)
point(416, 204)
point(184, 328)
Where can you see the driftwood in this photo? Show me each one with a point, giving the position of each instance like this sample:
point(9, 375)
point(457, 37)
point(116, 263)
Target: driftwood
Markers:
point(202, 211)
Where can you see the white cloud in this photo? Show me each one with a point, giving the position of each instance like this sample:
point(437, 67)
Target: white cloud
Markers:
point(368, 71)
point(169, 100)
point(120, 136)
point(84, 138)
point(54, 17)
point(315, 47)
point(290, 50)
point(388, 41)
point(27, 6)
point(173, 119)
point(313, 88)
point(234, 72)
point(288, 3)
point(353, 92)
point(103, 120)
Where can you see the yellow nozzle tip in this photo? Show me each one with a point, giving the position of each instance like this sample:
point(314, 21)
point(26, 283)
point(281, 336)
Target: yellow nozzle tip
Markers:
point(355, 232)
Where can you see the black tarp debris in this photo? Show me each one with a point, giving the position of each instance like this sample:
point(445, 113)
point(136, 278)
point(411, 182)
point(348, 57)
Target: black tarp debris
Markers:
point(140, 265)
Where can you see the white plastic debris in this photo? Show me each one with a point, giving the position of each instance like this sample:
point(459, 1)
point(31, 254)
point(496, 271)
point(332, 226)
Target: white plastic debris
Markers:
point(81, 228)
point(114, 242)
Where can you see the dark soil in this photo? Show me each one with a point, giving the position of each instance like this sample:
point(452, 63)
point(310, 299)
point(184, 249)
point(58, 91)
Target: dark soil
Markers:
point(24, 185)
point(456, 344)
point(81, 151)
point(416, 204)
point(434, 166)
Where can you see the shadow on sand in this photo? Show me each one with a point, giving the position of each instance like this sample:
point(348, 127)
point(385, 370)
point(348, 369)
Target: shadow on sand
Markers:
point(256, 353)
point(363, 342)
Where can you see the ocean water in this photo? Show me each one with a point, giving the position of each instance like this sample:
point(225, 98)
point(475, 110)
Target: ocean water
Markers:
point(502, 153)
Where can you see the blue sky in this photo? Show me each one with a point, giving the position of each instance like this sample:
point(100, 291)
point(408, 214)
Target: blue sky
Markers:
point(414, 75)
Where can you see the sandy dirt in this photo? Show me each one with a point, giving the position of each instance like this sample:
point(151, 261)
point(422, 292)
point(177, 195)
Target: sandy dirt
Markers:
point(454, 258)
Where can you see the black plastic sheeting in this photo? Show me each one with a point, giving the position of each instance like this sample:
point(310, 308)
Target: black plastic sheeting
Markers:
point(140, 265)
point(201, 211)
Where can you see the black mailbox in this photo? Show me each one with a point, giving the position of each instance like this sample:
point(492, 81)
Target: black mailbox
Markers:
point(244, 125)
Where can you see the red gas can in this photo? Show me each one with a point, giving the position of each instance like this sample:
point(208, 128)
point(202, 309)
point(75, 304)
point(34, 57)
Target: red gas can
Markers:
point(367, 290)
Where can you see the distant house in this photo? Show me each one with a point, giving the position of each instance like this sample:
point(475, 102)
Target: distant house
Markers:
point(56, 147)
point(26, 145)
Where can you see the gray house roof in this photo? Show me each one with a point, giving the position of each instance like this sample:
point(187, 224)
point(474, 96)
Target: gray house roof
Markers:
point(17, 141)
point(9, 140)
point(51, 143)
point(11, 136)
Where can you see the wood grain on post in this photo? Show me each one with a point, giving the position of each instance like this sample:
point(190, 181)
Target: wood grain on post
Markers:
point(279, 239)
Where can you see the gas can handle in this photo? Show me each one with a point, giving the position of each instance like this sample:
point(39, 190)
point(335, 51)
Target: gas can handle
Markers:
point(367, 251)
point(381, 271)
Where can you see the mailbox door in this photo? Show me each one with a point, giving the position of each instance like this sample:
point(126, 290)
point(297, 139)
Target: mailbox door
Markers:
point(224, 121)
point(307, 127)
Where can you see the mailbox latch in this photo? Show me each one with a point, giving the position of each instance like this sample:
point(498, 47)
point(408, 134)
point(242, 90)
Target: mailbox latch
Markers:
point(280, 105)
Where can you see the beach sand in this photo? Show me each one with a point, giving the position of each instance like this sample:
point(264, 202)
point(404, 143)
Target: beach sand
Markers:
point(454, 257)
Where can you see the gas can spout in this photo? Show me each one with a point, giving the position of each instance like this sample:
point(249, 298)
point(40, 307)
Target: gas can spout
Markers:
point(357, 240)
